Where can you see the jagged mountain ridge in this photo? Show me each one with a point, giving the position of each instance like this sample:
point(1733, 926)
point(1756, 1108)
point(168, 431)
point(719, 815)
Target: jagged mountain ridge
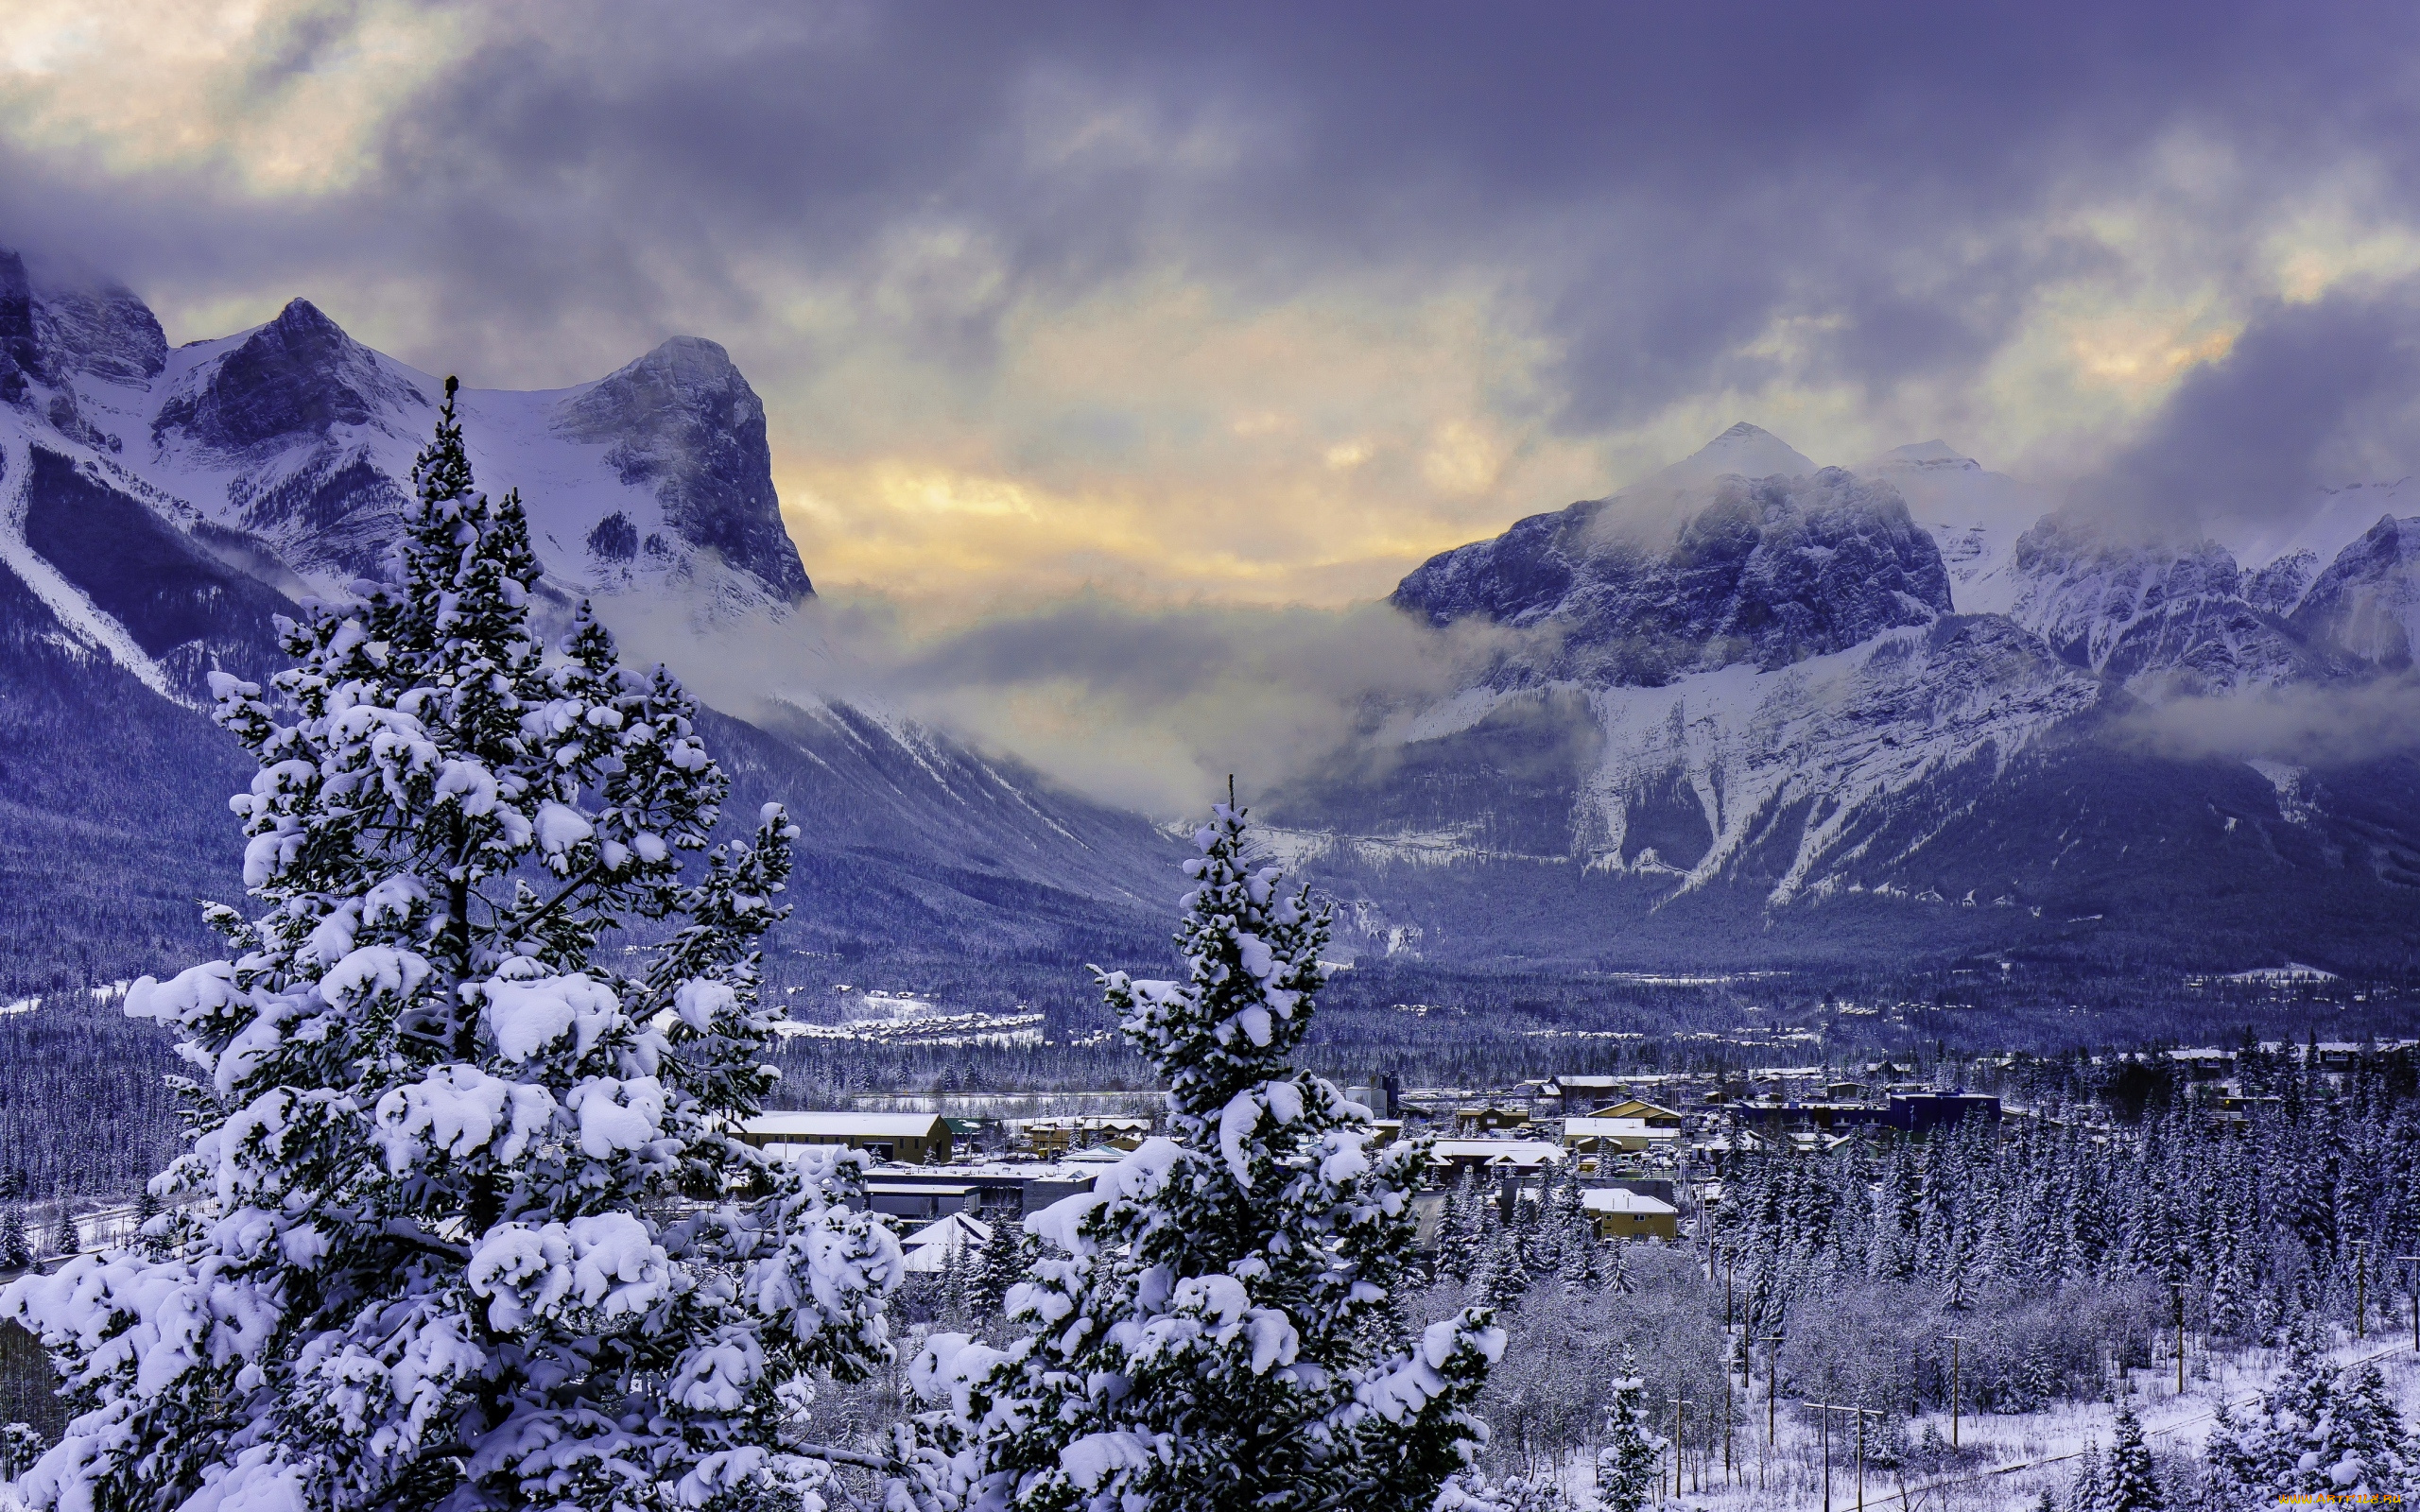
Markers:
point(1878, 708)
point(159, 506)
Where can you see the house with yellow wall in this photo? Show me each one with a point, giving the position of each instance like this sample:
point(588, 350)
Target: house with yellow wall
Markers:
point(1623, 1214)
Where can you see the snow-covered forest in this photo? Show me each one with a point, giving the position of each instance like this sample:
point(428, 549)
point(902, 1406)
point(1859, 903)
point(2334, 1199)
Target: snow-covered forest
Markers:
point(459, 1216)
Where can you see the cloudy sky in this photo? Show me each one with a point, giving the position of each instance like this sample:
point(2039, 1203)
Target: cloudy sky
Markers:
point(1240, 304)
point(1119, 357)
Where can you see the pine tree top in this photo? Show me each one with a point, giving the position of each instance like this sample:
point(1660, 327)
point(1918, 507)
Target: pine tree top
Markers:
point(1251, 954)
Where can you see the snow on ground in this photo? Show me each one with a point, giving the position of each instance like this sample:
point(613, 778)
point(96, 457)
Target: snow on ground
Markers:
point(876, 1016)
point(941, 1029)
point(2021, 1454)
point(114, 992)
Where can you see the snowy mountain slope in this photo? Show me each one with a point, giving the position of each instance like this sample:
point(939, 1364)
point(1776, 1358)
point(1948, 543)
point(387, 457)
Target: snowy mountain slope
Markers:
point(1764, 571)
point(293, 432)
point(1880, 688)
point(1974, 516)
point(2156, 619)
point(2367, 603)
point(159, 506)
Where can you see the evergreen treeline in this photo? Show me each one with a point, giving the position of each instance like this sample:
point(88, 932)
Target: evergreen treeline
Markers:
point(84, 1105)
point(2062, 1250)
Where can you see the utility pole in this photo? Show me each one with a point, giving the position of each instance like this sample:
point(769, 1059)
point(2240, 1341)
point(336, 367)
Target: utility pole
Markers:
point(1955, 1340)
point(2360, 1298)
point(2409, 1262)
point(2177, 1288)
point(1677, 1403)
point(1726, 1427)
point(1825, 1411)
point(1772, 1377)
point(1824, 1435)
point(1862, 1414)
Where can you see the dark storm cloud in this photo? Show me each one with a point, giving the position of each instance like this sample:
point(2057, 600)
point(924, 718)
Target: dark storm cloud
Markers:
point(1661, 181)
point(1666, 180)
point(2310, 396)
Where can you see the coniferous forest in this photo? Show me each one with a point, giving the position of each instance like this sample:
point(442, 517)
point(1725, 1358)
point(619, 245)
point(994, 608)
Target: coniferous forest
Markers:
point(439, 1198)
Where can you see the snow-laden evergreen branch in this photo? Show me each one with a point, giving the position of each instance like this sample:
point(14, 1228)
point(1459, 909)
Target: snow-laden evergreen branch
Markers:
point(472, 1227)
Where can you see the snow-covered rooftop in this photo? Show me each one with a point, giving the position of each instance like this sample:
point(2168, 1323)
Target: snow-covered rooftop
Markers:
point(928, 1248)
point(845, 1125)
point(1512, 1152)
point(1615, 1128)
point(1622, 1200)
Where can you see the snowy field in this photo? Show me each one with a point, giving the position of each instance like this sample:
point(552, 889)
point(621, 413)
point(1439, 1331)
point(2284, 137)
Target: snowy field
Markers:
point(909, 1018)
point(2008, 1460)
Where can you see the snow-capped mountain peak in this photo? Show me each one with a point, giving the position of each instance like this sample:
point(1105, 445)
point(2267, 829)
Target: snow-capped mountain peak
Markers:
point(299, 378)
point(299, 438)
point(2367, 602)
point(1932, 456)
point(159, 508)
point(1744, 451)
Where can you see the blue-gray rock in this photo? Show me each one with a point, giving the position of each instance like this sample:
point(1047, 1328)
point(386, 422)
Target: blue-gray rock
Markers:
point(20, 353)
point(2367, 603)
point(1770, 572)
point(2278, 587)
point(298, 376)
point(101, 329)
point(684, 421)
point(2157, 618)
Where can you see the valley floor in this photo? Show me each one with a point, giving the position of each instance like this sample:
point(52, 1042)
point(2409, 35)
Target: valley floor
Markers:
point(2008, 1459)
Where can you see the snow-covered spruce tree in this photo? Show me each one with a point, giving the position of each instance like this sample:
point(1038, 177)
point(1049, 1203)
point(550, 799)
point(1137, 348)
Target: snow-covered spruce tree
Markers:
point(1519, 1493)
point(2320, 1429)
point(1628, 1474)
point(2128, 1483)
point(467, 1225)
point(2084, 1492)
point(16, 1250)
point(998, 1267)
point(1198, 1339)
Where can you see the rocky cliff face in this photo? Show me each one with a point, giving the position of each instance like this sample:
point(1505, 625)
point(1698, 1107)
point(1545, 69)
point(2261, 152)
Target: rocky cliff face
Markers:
point(1764, 572)
point(21, 354)
point(299, 378)
point(53, 332)
point(2159, 620)
point(2367, 603)
point(683, 422)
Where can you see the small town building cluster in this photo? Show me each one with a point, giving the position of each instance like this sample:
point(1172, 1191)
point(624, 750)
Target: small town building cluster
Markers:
point(1649, 1151)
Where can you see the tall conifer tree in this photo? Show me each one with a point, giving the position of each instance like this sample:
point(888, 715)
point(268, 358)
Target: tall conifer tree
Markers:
point(459, 1223)
point(1207, 1322)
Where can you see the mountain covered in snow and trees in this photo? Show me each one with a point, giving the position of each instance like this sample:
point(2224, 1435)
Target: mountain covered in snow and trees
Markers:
point(161, 508)
point(1746, 711)
point(1755, 708)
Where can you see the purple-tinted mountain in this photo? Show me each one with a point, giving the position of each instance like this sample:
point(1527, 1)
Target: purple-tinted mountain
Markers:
point(683, 422)
point(159, 507)
point(2367, 603)
point(1768, 572)
point(1753, 712)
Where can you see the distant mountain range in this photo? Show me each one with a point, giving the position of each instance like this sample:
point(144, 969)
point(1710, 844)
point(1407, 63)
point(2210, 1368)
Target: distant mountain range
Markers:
point(1758, 709)
point(1750, 711)
point(159, 506)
